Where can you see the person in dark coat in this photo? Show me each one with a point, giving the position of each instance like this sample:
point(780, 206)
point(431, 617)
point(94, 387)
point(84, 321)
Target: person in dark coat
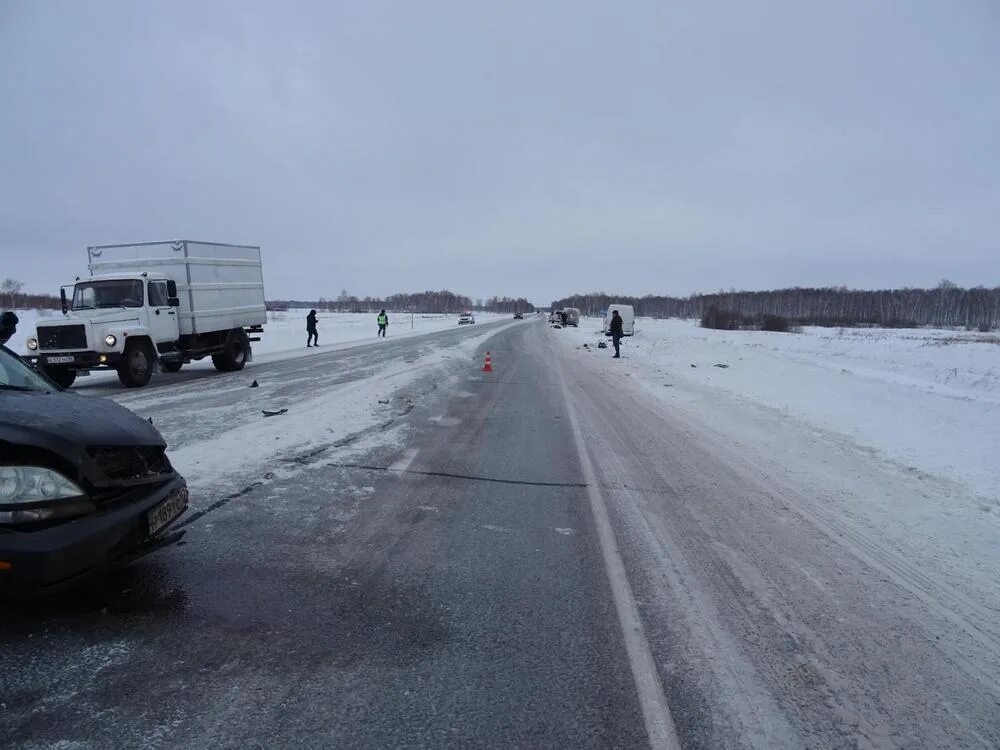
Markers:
point(563, 317)
point(312, 335)
point(8, 326)
point(617, 331)
point(383, 323)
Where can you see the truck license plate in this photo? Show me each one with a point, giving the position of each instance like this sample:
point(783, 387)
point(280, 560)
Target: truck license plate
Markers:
point(167, 511)
point(59, 360)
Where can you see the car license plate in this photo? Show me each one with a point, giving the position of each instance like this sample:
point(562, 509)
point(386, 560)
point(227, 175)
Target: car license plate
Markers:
point(59, 360)
point(167, 511)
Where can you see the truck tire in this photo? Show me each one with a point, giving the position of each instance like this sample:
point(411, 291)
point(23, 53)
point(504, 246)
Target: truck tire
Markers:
point(61, 376)
point(234, 355)
point(136, 367)
point(171, 366)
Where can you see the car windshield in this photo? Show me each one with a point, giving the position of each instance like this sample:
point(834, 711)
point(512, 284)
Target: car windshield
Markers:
point(88, 295)
point(17, 375)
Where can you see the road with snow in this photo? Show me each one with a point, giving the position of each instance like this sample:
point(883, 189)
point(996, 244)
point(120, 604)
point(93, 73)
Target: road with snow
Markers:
point(418, 553)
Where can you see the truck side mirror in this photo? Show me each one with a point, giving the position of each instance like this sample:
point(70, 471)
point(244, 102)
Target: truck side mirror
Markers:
point(171, 288)
point(174, 301)
point(65, 302)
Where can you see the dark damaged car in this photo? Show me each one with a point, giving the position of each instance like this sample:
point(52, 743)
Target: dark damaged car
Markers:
point(85, 484)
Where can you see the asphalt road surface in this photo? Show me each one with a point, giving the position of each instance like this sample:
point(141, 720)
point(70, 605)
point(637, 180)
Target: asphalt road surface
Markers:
point(552, 559)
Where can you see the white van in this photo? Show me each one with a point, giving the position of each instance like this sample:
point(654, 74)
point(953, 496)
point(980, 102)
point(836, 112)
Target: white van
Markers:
point(628, 319)
point(572, 316)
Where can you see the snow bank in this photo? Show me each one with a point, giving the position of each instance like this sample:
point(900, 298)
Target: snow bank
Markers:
point(286, 331)
point(926, 399)
point(218, 458)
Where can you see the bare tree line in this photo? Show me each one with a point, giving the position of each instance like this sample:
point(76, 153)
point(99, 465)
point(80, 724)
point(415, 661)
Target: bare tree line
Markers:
point(442, 301)
point(13, 298)
point(506, 305)
point(947, 305)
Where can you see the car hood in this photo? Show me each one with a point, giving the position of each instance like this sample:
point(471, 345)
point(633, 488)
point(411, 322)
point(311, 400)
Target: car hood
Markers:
point(65, 423)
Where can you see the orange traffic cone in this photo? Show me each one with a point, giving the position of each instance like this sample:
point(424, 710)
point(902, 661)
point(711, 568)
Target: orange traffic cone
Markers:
point(488, 367)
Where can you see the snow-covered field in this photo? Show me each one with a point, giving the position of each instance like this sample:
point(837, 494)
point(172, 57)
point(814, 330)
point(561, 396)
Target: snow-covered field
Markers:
point(888, 440)
point(927, 399)
point(286, 331)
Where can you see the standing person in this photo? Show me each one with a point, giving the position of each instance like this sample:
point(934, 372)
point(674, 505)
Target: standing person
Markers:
point(383, 323)
point(563, 317)
point(616, 327)
point(313, 335)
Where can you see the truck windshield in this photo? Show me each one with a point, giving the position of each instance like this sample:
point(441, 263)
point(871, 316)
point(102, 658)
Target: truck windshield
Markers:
point(17, 375)
point(89, 295)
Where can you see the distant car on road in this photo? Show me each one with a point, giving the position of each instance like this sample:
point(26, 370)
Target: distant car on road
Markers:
point(555, 316)
point(85, 484)
point(466, 318)
point(572, 316)
point(518, 316)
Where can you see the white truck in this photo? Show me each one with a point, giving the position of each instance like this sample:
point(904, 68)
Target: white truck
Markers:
point(165, 303)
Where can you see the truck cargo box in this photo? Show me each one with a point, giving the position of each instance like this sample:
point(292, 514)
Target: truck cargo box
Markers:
point(221, 287)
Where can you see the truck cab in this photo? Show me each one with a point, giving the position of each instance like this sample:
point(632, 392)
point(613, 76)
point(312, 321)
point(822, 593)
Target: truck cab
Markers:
point(104, 317)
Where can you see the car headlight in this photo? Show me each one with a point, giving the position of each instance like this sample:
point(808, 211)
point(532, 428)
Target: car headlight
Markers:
point(110, 339)
point(21, 485)
point(32, 344)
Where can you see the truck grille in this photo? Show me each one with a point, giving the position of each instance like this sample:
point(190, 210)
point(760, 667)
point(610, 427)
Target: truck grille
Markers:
point(62, 337)
point(131, 464)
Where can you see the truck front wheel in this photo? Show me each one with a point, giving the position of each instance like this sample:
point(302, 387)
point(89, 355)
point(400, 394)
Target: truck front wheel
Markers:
point(235, 353)
point(61, 376)
point(136, 367)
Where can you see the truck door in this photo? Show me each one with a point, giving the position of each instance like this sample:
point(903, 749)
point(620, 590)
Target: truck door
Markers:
point(162, 317)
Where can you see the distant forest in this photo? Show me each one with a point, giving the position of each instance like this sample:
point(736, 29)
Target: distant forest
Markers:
point(421, 302)
point(947, 305)
point(21, 301)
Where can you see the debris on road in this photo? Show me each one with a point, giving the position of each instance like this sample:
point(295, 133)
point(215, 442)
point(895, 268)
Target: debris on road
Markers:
point(278, 413)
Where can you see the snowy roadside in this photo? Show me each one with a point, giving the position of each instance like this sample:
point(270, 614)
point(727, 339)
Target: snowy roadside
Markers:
point(338, 419)
point(285, 330)
point(926, 399)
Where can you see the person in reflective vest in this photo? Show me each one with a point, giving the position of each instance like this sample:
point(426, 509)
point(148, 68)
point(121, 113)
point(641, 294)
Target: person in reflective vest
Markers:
point(383, 323)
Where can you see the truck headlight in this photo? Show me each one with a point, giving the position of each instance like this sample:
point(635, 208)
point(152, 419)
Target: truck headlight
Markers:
point(32, 344)
point(110, 339)
point(20, 485)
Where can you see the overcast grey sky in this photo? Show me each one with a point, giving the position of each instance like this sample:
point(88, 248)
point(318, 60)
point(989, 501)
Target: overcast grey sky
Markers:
point(517, 147)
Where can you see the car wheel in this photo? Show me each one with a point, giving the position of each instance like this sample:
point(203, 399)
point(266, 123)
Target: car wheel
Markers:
point(235, 354)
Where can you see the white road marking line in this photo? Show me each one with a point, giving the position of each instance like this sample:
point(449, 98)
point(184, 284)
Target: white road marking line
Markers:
point(655, 711)
point(403, 464)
